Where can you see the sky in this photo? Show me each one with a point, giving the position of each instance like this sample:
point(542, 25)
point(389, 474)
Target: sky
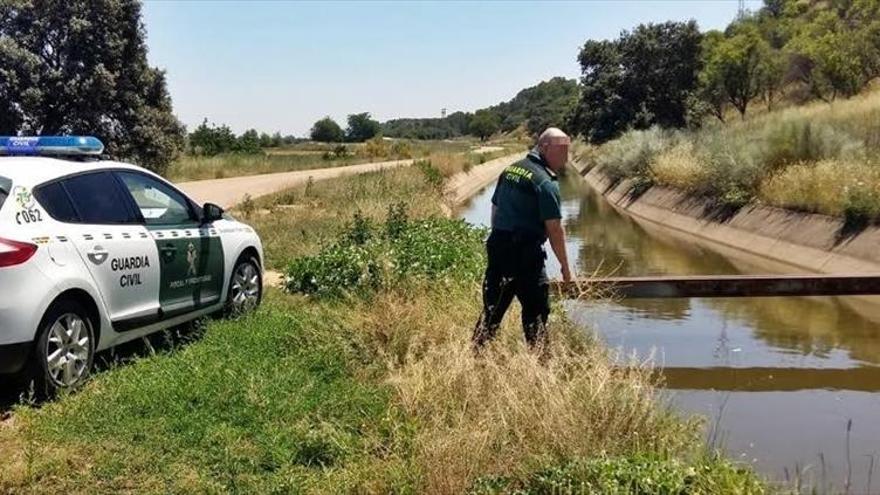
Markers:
point(280, 66)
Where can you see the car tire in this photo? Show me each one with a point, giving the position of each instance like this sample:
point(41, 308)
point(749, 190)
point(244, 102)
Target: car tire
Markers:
point(64, 350)
point(245, 286)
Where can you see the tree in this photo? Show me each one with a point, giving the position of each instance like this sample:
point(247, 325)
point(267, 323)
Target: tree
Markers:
point(327, 130)
point(642, 79)
point(549, 103)
point(208, 139)
point(248, 143)
point(484, 124)
point(80, 67)
point(710, 96)
point(838, 58)
point(361, 127)
point(738, 67)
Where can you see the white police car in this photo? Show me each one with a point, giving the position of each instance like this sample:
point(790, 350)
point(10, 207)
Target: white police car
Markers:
point(95, 253)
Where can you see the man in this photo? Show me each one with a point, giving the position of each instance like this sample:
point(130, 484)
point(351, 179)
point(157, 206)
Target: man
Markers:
point(525, 213)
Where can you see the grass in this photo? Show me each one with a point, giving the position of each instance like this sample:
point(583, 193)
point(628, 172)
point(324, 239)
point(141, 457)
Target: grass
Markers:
point(308, 156)
point(374, 391)
point(818, 158)
point(218, 167)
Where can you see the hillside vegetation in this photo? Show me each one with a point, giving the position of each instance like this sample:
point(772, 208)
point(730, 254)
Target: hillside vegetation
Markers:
point(548, 103)
point(773, 113)
point(818, 158)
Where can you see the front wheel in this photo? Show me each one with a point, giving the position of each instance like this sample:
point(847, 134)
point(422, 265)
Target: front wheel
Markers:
point(245, 287)
point(64, 350)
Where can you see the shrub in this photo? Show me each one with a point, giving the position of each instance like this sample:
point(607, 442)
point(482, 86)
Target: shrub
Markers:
point(633, 153)
point(794, 139)
point(680, 166)
point(366, 257)
point(401, 149)
point(396, 220)
point(336, 270)
point(433, 175)
point(376, 148)
point(628, 475)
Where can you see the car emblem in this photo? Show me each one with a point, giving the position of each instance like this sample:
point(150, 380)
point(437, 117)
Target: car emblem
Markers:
point(98, 255)
point(191, 257)
point(23, 197)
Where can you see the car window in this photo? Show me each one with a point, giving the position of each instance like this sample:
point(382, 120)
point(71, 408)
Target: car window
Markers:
point(97, 198)
point(5, 187)
point(159, 204)
point(56, 202)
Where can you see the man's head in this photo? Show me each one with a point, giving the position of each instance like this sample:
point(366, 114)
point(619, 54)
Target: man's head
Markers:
point(553, 145)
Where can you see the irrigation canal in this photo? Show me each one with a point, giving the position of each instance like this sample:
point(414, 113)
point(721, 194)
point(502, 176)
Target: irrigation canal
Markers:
point(779, 378)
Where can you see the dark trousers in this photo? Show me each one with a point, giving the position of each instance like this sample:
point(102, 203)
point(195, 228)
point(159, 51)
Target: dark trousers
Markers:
point(515, 268)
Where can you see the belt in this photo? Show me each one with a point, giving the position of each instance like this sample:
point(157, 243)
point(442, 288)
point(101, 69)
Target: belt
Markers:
point(518, 236)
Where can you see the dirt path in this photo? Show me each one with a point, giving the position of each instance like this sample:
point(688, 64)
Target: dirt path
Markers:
point(232, 190)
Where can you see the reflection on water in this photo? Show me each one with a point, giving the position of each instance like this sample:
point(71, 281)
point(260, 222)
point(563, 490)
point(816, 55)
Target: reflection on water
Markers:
point(778, 377)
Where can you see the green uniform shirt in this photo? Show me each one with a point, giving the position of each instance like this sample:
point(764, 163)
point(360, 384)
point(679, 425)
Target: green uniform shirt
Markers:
point(527, 194)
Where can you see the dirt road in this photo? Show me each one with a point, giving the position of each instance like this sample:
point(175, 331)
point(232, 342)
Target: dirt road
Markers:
point(230, 191)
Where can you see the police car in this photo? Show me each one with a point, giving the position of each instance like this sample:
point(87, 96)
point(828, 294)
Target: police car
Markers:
point(94, 253)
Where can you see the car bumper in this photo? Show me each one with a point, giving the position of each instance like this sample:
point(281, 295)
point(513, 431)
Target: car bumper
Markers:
point(14, 356)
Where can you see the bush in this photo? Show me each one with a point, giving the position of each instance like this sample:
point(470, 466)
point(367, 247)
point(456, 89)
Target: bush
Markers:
point(679, 166)
point(367, 257)
point(401, 149)
point(376, 147)
point(433, 175)
point(631, 155)
point(628, 475)
point(795, 139)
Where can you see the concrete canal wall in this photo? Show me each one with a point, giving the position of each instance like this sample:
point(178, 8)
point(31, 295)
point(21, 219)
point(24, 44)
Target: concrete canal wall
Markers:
point(768, 238)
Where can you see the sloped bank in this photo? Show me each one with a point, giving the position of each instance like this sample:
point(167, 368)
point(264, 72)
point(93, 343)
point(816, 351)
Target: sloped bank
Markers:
point(757, 238)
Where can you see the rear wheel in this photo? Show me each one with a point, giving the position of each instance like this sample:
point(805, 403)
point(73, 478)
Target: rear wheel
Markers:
point(245, 287)
point(64, 351)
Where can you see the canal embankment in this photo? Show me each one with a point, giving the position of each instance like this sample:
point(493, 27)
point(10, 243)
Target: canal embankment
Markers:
point(762, 238)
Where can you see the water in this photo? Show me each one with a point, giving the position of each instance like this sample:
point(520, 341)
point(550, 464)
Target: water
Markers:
point(779, 379)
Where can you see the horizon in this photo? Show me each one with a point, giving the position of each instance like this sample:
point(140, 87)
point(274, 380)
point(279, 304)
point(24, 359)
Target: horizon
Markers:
point(392, 60)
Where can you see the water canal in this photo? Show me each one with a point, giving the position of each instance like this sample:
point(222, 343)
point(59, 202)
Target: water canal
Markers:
point(779, 379)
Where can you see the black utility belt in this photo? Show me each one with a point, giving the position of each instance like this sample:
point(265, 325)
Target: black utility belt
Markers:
point(518, 237)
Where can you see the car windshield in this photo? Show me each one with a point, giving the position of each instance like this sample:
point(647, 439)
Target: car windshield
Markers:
point(5, 187)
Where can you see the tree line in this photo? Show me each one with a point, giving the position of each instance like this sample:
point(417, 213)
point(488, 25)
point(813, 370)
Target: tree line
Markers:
point(671, 75)
point(549, 103)
point(209, 139)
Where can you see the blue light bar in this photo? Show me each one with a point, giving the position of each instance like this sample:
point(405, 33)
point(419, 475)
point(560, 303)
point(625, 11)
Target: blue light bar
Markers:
point(51, 145)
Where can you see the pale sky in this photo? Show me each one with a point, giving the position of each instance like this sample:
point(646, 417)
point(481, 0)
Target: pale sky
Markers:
point(280, 66)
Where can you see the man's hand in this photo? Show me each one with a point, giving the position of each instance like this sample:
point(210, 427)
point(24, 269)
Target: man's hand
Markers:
point(557, 242)
point(566, 274)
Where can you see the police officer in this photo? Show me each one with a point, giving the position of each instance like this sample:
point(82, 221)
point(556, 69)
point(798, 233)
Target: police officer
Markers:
point(525, 213)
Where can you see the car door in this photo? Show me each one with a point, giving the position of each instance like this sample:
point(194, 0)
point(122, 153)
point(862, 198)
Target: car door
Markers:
point(113, 244)
point(190, 254)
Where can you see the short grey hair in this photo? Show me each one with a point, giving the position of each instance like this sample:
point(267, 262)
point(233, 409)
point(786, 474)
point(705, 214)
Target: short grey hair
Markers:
point(550, 134)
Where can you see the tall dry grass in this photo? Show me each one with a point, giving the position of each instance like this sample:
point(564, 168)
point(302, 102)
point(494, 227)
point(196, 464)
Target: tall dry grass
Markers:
point(679, 166)
point(509, 411)
point(829, 186)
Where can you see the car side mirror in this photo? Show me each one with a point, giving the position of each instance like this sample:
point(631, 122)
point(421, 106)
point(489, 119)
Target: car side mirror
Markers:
point(211, 213)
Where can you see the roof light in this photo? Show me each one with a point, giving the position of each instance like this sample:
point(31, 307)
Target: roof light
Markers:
point(51, 145)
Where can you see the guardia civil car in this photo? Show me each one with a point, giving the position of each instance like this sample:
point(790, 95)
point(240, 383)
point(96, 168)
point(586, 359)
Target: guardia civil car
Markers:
point(94, 253)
